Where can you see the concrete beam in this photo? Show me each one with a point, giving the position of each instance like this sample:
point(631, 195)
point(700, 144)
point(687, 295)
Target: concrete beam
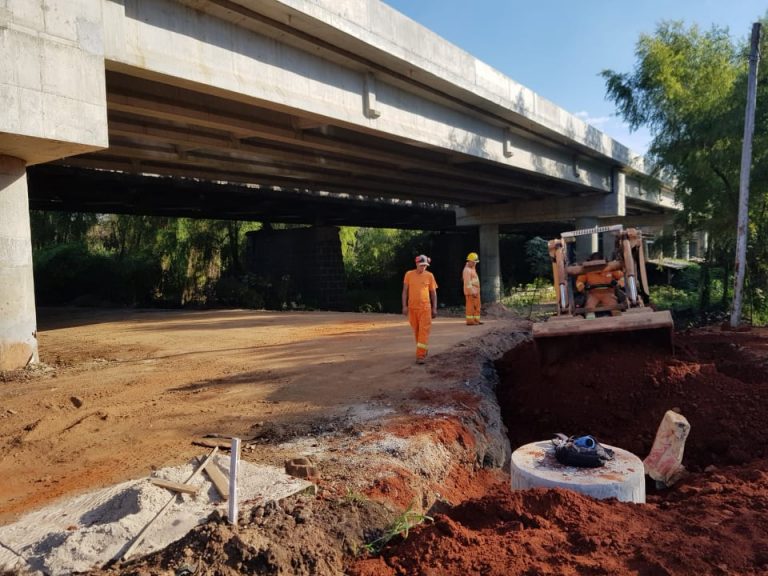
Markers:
point(380, 36)
point(52, 85)
point(642, 191)
point(640, 220)
point(528, 212)
point(243, 60)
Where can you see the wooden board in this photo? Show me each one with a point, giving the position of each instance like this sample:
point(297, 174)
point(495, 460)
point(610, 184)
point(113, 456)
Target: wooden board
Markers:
point(140, 536)
point(218, 479)
point(175, 486)
point(220, 443)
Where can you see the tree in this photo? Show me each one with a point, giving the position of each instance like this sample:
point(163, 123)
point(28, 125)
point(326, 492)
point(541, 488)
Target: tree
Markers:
point(52, 228)
point(537, 257)
point(689, 88)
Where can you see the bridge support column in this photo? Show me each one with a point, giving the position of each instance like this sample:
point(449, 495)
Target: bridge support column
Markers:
point(490, 274)
point(702, 241)
point(587, 244)
point(665, 242)
point(608, 245)
point(18, 324)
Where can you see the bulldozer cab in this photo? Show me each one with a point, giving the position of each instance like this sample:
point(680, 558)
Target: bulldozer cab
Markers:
point(602, 295)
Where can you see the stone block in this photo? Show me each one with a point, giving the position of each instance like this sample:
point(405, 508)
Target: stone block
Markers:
point(301, 468)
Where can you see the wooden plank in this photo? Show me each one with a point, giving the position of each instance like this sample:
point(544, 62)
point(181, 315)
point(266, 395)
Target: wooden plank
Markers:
point(175, 486)
point(218, 479)
point(140, 536)
point(221, 443)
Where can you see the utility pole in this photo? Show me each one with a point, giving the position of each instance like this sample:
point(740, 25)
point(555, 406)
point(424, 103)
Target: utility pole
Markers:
point(746, 161)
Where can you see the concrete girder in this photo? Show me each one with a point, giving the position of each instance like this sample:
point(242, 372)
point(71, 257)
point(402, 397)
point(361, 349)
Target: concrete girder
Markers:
point(263, 160)
point(228, 169)
point(289, 79)
point(639, 220)
point(555, 210)
point(68, 188)
point(209, 124)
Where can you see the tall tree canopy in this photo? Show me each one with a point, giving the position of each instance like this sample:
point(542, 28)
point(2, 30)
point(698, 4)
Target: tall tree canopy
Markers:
point(689, 88)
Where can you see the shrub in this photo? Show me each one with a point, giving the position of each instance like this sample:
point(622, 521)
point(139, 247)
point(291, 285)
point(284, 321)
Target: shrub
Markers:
point(70, 274)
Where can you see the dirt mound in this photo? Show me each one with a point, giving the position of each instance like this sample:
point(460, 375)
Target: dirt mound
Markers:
point(711, 526)
point(709, 523)
point(300, 536)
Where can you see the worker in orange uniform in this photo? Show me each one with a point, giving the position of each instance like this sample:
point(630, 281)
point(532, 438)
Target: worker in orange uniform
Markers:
point(420, 304)
point(471, 283)
point(600, 286)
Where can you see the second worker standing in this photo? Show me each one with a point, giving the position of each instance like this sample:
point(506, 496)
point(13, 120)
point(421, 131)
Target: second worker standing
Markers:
point(471, 283)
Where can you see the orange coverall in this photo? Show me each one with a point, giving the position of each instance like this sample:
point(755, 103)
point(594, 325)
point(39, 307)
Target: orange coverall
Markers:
point(471, 294)
point(421, 288)
point(605, 295)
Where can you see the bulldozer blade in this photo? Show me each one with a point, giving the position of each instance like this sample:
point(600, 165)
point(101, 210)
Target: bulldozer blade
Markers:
point(630, 320)
point(560, 337)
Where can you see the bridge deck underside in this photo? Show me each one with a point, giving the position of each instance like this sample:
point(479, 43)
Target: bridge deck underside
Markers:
point(220, 157)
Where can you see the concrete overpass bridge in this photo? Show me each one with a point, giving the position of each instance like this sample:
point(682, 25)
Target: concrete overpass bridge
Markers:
point(324, 112)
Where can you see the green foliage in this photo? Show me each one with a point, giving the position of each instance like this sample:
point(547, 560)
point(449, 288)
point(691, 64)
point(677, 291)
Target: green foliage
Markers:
point(242, 292)
point(71, 274)
point(530, 300)
point(371, 254)
point(50, 228)
point(121, 259)
point(687, 279)
point(375, 260)
point(689, 88)
point(537, 257)
point(399, 527)
point(671, 298)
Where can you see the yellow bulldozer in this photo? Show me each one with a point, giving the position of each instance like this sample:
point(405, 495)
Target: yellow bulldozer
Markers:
point(627, 312)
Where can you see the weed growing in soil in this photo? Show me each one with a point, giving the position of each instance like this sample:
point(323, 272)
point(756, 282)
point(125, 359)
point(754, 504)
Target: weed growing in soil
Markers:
point(399, 527)
point(354, 497)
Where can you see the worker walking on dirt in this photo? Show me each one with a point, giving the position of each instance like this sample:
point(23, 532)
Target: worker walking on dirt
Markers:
point(471, 283)
point(420, 304)
point(600, 286)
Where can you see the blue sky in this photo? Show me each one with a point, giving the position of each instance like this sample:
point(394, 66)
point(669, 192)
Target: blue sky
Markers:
point(557, 48)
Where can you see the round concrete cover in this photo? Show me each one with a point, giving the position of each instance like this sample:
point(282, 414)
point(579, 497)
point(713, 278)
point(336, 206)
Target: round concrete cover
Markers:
point(534, 466)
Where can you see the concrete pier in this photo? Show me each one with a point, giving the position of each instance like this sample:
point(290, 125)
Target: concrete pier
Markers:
point(18, 324)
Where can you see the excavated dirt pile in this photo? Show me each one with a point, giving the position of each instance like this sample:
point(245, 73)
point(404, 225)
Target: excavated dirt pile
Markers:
point(711, 522)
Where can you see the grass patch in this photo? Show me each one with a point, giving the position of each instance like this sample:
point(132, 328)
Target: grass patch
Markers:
point(399, 527)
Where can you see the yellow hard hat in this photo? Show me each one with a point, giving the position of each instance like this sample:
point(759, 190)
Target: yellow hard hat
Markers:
point(473, 257)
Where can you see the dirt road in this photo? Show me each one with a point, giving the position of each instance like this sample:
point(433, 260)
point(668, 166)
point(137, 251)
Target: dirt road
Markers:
point(119, 393)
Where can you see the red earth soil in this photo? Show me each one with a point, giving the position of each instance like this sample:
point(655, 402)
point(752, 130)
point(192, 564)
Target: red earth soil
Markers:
point(713, 521)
